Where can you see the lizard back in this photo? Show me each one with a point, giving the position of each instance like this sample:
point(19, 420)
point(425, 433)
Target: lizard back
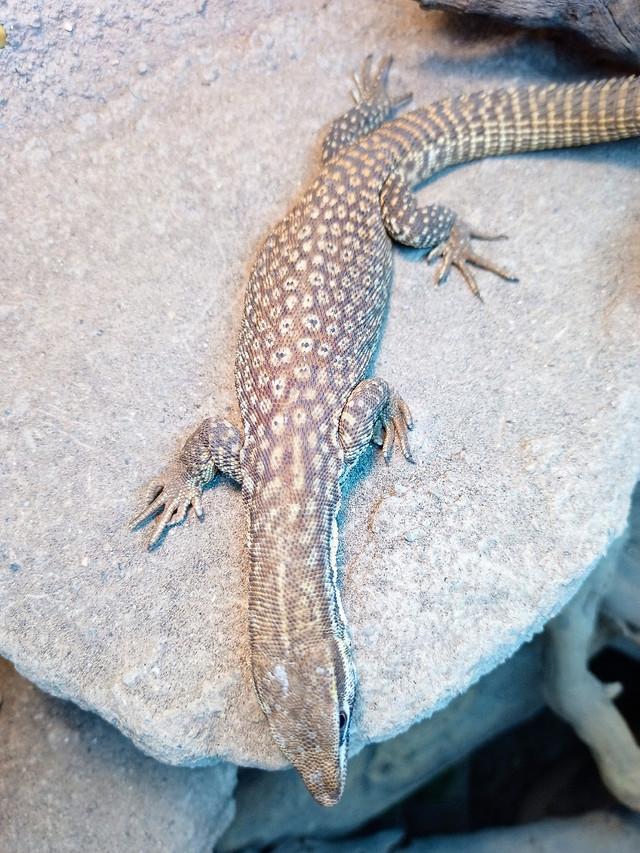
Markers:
point(313, 313)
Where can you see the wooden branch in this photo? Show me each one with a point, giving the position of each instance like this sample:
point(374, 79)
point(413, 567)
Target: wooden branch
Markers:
point(612, 26)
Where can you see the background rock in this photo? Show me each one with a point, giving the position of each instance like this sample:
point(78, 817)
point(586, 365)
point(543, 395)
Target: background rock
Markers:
point(129, 231)
point(593, 833)
point(69, 782)
point(612, 27)
point(382, 842)
point(101, 49)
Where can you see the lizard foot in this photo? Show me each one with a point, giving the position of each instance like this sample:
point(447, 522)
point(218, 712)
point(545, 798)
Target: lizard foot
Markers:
point(456, 251)
point(175, 490)
point(374, 412)
point(373, 89)
point(395, 420)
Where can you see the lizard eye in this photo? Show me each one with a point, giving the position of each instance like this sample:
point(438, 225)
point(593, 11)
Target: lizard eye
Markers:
point(343, 719)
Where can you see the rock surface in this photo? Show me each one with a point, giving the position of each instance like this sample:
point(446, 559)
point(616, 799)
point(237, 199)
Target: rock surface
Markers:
point(69, 782)
point(593, 833)
point(101, 49)
point(129, 230)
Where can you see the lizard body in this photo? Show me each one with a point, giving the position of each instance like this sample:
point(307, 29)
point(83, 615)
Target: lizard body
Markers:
point(314, 308)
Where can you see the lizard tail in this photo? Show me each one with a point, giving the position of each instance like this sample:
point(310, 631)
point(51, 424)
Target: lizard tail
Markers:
point(508, 121)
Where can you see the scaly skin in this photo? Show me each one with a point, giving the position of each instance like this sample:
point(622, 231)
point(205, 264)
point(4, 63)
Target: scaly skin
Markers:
point(313, 314)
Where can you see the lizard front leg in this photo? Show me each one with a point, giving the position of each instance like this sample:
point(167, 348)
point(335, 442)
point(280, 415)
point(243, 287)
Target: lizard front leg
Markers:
point(214, 446)
point(373, 412)
point(436, 228)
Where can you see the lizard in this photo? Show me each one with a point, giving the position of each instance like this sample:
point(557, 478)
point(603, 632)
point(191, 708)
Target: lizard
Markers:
point(313, 314)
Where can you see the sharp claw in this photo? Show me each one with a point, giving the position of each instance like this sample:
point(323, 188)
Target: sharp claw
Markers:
point(381, 82)
point(395, 423)
point(401, 432)
point(197, 506)
point(370, 87)
point(442, 273)
point(152, 491)
point(174, 513)
point(155, 536)
point(179, 512)
point(406, 450)
point(404, 423)
point(173, 493)
point(406, 414)
point(389, 438)
point(366, 70)
point(148, 511)
point(383, 71)
point(468, 277)
point(484, 264)
point(456, 251)
point(158, 530)
point(167, 516)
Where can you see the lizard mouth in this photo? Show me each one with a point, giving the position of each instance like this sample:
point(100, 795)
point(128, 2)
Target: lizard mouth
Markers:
point(325, 791)
point(328, 799)
point(315, 743)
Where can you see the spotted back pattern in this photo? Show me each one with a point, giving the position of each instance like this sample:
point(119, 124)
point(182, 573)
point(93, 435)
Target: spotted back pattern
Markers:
point(314, 308)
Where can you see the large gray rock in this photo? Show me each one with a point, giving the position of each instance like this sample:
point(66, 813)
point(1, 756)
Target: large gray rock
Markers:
point(128, 232)
point(597, 832)
point(100, 49)
point(70, 783)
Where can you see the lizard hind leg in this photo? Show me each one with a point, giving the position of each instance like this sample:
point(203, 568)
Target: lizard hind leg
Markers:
point(373, 107)
point(373, 412)
point(436, 228)
point(456, 251)
point(371, 89)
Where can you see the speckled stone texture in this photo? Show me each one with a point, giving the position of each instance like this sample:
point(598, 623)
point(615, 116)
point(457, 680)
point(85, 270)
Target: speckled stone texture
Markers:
point(132, 209)
point(71, 783)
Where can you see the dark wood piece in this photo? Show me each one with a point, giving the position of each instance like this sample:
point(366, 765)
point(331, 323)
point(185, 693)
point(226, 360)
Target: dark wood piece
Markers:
point(612, 26)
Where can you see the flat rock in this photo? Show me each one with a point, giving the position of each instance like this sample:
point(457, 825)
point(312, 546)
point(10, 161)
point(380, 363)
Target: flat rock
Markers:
point(128, 233)
point(70, 782)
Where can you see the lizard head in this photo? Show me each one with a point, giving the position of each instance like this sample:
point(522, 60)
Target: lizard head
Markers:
point(308, 699)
